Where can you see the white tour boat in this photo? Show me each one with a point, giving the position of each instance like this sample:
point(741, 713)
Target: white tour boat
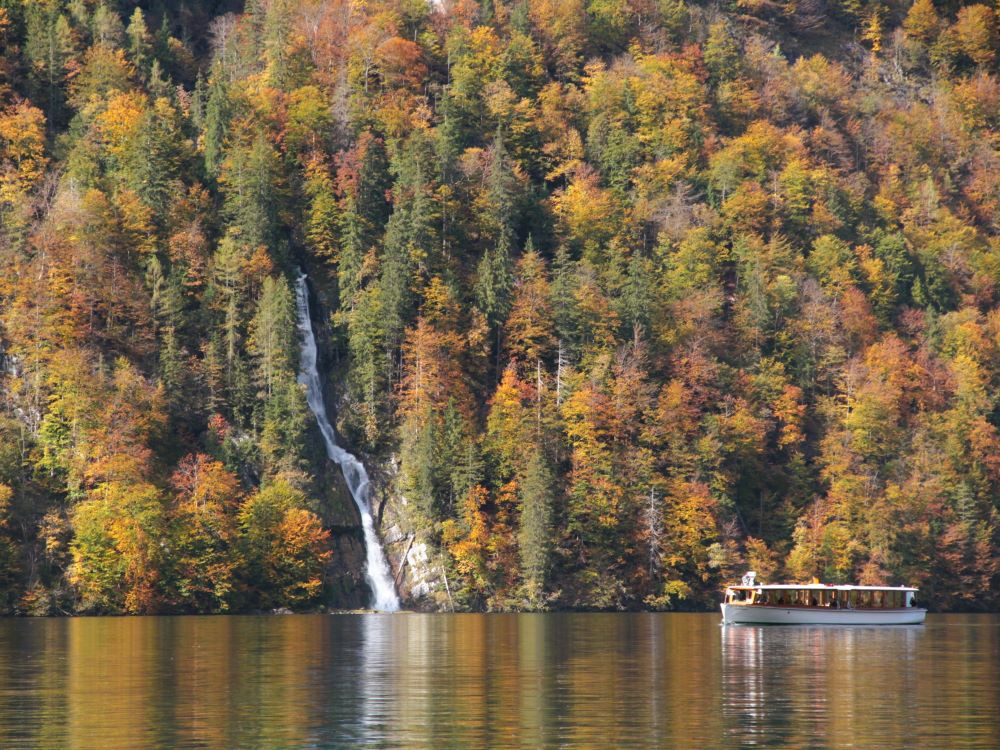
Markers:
point(819, 604)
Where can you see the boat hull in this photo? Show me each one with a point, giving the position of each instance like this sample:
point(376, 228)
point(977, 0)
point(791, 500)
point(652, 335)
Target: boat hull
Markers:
point(764, 615)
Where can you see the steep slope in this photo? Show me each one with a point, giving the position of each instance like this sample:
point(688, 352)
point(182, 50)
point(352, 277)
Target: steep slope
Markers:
point(613, 299)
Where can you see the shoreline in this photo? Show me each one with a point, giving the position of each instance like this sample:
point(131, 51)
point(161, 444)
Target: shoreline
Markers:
point(404, 612)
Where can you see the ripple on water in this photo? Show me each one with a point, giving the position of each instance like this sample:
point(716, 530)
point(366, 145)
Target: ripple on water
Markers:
point(499, 681)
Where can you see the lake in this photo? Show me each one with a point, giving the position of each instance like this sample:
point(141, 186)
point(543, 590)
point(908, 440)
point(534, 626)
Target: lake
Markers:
point(474, 681)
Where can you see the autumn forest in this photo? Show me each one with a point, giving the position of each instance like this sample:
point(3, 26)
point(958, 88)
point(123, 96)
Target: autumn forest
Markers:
point(616, 299)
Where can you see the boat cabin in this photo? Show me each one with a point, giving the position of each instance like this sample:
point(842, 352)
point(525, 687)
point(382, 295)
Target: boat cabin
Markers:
point(821, 595)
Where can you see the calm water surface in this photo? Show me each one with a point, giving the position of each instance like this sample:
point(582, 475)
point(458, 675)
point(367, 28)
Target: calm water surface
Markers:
point(471, 681)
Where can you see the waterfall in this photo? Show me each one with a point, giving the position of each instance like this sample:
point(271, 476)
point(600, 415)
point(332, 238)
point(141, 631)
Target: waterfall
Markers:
point(376, 568)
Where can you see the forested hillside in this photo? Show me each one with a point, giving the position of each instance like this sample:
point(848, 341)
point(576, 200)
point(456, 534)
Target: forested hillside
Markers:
point(618, 298)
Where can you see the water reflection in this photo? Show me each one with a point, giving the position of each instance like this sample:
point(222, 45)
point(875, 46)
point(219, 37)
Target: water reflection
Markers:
point(828, 686)
point(462, 681)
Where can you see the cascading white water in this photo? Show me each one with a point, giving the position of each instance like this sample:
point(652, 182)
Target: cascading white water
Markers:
point(376, 568)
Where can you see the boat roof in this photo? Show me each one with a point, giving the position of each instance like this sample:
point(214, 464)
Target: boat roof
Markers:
point(821, 587)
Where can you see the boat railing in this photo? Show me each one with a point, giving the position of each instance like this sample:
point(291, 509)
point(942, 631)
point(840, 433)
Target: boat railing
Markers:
point(832, 598)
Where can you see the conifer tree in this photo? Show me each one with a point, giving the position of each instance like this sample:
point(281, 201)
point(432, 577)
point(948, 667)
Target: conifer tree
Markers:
point(216, 125)
point(49, 48)
point(139, 47)
point(250, 180)
point(273, 336)
point(535, 528)
point(494, 277)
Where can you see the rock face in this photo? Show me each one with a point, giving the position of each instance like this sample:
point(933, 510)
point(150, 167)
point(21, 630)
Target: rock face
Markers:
point(345, 573)
point(419, 574)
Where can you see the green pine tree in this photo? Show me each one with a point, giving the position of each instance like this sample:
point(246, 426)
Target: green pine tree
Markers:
point(535, 529)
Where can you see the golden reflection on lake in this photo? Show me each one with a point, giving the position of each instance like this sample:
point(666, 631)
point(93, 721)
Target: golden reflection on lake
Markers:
point(597, 681)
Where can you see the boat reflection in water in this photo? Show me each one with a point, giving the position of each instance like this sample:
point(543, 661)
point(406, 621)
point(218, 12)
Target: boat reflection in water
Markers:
point(784, 685)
